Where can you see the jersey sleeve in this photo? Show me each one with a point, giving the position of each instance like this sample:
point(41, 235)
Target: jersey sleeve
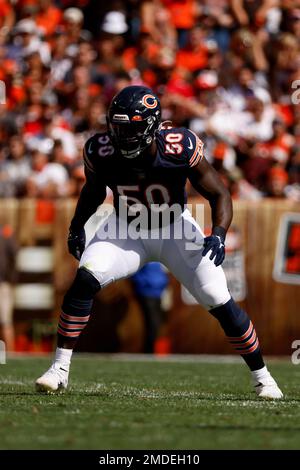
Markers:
point(88, 157)
point(93, 192)
point(96, 151)
point(92, 164)
point(193, 148)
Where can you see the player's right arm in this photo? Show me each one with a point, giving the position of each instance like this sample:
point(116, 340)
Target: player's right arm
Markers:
point(92, 195)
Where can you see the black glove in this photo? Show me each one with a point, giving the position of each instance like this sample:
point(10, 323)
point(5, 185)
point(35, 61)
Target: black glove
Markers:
point(215, 244)
point(76, 242)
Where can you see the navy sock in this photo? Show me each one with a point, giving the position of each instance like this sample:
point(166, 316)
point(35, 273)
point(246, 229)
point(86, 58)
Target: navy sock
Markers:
point(77, 305)
point(240, 332)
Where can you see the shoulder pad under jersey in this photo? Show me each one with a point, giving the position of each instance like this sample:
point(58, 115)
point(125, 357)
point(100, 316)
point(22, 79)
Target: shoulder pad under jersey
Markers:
point(181, 144)
point(97, 146)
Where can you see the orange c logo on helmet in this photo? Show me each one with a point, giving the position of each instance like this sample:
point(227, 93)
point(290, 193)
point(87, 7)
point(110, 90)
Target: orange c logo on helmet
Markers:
point(149, 101)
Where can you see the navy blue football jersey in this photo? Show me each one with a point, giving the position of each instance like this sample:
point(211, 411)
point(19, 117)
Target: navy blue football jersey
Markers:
point(157, 179)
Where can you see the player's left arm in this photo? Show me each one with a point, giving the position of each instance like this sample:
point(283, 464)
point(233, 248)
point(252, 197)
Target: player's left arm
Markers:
point(208, 183)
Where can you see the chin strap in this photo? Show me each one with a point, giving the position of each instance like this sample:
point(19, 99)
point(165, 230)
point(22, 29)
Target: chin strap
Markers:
point(129, 155)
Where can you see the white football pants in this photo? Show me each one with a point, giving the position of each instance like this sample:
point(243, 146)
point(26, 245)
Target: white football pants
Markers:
point(111, 256)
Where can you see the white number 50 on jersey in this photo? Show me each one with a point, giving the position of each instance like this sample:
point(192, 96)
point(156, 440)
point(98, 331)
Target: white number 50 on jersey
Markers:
point(125, 193)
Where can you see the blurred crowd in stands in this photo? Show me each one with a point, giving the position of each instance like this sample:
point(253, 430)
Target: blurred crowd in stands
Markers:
point(224, 68)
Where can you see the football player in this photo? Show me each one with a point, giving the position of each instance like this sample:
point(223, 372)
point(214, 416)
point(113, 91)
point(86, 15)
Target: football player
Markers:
point(146, 165)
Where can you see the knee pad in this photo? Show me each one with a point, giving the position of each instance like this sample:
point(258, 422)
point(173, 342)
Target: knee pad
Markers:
point(210, 296)
point(85, 286)
point(79, 298)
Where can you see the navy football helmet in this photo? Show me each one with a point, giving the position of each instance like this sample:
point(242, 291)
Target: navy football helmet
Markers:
point(133, 118)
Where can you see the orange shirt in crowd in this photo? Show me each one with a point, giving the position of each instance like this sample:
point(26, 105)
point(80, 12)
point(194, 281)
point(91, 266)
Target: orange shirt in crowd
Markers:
point(129, 63)
point(285, 111)
point(25, 3)
point(130, 55)
point(278, 148)
point(192, 60)
point(5, 9)
point(183, 13)
point(48, 20)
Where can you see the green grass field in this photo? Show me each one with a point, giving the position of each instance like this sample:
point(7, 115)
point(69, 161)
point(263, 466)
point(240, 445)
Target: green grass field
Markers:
point(121, 404)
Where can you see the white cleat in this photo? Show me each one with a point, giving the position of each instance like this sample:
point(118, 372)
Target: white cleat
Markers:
point(268, 388)
point(56, 378)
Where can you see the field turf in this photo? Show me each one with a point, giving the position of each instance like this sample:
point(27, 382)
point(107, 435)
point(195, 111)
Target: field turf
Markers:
point(116, 403)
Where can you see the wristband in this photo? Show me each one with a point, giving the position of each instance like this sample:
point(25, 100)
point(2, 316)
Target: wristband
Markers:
point(220, 232)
